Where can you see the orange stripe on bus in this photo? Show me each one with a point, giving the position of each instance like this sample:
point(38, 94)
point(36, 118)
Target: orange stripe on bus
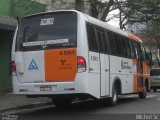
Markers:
point(134, 83)
point(133, 37)
point(60, 65)
point(134, 62)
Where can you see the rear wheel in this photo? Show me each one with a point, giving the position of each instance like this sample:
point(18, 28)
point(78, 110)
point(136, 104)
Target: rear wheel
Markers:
point(114, 99)
point(143, 94)
point(62, 102)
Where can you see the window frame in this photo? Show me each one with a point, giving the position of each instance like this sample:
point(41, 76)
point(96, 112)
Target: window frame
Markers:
point(120, 39)
point(95, 39)
point(108, 33)
point(104, 41)
point(130, 47)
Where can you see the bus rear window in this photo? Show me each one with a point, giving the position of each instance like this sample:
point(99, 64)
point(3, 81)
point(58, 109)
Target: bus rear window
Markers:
point(56, 30)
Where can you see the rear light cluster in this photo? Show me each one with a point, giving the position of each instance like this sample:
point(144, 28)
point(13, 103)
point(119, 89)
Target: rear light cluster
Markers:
point(81, 64)
point(13, 68)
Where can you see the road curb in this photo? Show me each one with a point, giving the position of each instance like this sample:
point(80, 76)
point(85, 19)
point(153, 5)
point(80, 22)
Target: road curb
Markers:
point(27, 106)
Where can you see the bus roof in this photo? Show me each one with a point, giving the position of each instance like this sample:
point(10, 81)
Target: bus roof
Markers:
point(96, 22)
point(47, 12)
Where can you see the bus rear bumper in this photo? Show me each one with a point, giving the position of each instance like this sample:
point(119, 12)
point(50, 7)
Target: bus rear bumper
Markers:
point(81, 85)
point(35, 92)
point(46, 88)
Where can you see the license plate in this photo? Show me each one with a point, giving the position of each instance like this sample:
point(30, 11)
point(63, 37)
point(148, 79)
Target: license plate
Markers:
point(46, 88)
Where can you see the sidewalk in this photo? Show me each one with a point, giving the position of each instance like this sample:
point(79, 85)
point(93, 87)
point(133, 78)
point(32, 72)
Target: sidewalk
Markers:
point(12, 102)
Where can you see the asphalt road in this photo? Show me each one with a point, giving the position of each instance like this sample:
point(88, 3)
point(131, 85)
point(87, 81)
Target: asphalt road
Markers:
point(128, 108)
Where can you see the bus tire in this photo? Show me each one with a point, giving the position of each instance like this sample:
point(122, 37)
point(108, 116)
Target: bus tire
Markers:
point(61, 102)
point(143, 94)
point(114, 99)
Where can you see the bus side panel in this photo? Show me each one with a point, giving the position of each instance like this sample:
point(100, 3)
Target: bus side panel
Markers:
point(146, 74)
point(135, 84)
point(121, 69)
point(94, 74)
point(89, 80)
point(93, 85)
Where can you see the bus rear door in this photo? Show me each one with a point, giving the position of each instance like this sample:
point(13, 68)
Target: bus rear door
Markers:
point(98, 61)
point(104, 62)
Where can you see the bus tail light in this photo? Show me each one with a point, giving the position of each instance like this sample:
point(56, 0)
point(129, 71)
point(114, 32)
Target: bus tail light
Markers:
point(13, 68)
point(81, 64)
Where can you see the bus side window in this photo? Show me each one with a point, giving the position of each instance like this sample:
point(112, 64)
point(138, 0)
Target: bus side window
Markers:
point(92, 38)
point(128, 47)
point(102, 42)
point(113, 50)
point(105, 42)
point(139, 50)
point(143, 52)
point(99, 41)
point(133, 52)
point(120, 44)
